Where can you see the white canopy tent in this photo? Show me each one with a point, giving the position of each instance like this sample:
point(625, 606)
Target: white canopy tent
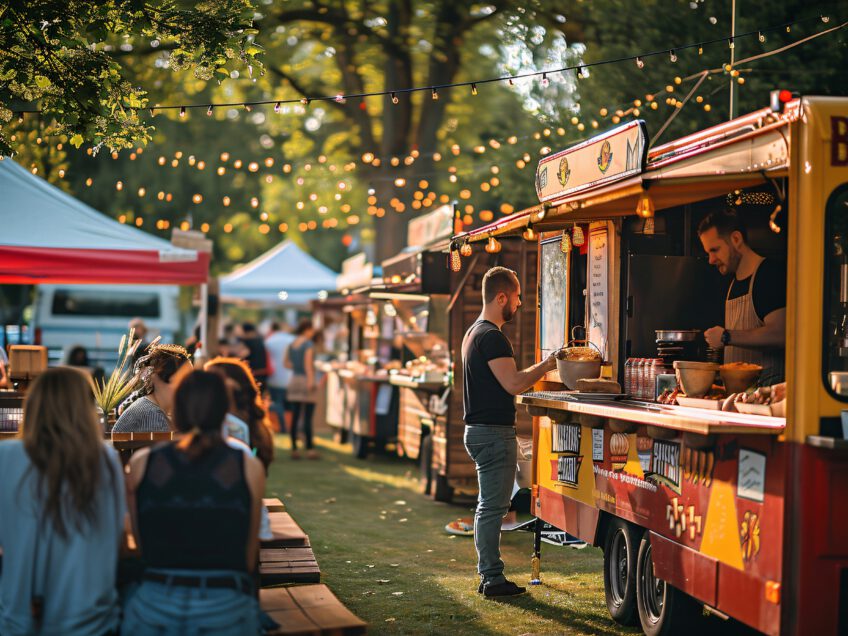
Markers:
point(283, 276)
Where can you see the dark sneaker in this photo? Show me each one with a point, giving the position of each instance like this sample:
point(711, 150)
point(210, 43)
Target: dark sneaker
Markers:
point(507, 588)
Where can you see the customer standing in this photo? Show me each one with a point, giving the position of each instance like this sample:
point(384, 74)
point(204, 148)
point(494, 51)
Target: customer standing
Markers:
point(61, 515)
point(301, 392)
point(490, 380)
point(195, 510)
point(276, 344)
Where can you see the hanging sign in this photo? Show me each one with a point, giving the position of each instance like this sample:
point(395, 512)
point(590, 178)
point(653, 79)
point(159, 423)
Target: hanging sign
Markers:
point(429, 228)
point(597, 295)
point(616, 154)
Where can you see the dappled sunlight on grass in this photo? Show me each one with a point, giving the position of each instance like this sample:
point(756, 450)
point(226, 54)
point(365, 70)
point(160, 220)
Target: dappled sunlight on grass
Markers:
point(370, 475)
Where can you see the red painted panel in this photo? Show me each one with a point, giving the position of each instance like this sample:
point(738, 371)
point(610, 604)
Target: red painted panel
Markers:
point(685, 568)
point(744, 598)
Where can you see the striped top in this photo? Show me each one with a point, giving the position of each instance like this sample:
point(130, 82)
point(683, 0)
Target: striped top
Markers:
point(142, 416)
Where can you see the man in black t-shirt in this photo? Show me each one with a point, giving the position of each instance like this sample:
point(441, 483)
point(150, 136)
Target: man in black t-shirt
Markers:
point(490, 380)
point(754, 329)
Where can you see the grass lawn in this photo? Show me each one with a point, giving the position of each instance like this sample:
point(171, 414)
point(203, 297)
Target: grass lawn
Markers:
point(382, 549)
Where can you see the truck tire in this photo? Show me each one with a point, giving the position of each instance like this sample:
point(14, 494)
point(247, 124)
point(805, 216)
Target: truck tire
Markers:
point(621, 548)
point(360, 445)
point(663, 609)
point(443, 489)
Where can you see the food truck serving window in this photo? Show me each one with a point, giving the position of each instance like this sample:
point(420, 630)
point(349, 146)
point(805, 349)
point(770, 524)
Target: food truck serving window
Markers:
point(554, 290)
point(835, 352)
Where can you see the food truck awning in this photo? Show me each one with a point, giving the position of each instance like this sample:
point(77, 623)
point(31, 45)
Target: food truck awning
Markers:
point(742, 153)
point(48, 236)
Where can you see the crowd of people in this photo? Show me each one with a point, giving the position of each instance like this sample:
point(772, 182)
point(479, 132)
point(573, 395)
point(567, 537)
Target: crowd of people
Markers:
point(193, 506)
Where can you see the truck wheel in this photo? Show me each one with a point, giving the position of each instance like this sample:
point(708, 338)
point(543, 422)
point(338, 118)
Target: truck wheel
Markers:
point(444, 491)
point(425, 457)
point(620, 550)
point(663, 609)
point(360, 445)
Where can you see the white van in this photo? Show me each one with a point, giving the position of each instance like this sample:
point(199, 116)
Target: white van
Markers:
point(96, 316)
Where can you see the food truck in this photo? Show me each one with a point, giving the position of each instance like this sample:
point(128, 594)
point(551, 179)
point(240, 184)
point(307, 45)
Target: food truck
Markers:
point(741, 514)
point(431, 427)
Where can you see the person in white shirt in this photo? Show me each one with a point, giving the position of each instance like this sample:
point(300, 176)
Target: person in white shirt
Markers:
point(276, 344)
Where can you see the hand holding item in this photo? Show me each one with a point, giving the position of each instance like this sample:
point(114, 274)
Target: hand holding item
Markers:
point(778, 392)
point(713, 337)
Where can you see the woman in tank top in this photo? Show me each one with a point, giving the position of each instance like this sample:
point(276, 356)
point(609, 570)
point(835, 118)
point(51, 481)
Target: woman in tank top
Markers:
point(195, 508)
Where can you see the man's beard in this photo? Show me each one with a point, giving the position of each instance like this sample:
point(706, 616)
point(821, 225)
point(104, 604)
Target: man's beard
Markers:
point(733, 260)
point(507, 313)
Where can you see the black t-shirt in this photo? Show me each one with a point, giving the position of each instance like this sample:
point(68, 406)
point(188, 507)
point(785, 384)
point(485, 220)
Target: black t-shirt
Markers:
point(484, 399)
point(769, 291)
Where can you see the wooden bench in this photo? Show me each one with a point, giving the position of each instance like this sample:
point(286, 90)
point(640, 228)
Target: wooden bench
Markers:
point(274, 505)
point(309, 609)
point(279, 566)
point(287, 534)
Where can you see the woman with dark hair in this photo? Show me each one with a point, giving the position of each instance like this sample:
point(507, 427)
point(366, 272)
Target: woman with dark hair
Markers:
point(301, 392)
point(78, 357)
point(195, 508)
point(62, 519)
point(148, 409)
point(248, 408)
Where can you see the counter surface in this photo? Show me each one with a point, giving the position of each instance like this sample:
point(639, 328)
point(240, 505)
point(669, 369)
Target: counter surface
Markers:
point(405, 381)
point(692, 420)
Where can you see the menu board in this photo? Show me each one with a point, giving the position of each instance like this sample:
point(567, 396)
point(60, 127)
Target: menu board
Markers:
point(554, 291)
point(598, 293)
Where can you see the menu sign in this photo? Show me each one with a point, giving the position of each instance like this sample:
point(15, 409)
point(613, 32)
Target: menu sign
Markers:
point(608, 157)
point(431, 227)
point(598, 292)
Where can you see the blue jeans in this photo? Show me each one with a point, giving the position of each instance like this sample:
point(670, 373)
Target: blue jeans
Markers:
point(279, 404)
point(159, 609)
point(494, 451)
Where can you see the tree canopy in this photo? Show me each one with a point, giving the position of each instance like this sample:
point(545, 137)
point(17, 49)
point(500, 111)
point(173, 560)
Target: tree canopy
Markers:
point(340, 175)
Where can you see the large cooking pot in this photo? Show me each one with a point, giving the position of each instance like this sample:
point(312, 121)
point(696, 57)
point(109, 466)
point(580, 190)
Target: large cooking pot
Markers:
point(678, 335)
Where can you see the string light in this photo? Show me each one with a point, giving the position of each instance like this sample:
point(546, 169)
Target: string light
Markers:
point(761, 37)
point(182, 111)
point(545, 81)
point(493, 246)
point(277, 108)
point(209, 111)
point(466, 250)
point(473, 88)
point(248, 107)
point(577, 236)
point(565, 243)
point(435, 94)
point(455, 260)
point(394, 98)
point(640, 63)
point(529, 234)
point(645, 206)
point(672, 56)
point(730, 44)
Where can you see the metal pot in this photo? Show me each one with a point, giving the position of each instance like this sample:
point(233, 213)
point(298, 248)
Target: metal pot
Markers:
point(678, 335)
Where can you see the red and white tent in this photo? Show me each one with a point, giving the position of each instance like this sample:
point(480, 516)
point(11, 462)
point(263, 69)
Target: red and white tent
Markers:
point(47, 236)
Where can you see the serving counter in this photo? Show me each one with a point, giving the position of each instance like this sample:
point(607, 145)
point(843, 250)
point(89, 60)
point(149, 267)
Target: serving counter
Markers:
point(556, 404)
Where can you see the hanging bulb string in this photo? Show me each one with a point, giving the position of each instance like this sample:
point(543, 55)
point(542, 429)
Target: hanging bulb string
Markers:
point(434, 89)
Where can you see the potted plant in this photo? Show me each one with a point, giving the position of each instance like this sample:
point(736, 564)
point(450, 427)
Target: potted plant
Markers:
point(109, 393)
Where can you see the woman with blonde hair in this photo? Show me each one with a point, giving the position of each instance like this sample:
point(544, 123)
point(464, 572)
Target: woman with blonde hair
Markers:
point(62, 503)
point(148, 410)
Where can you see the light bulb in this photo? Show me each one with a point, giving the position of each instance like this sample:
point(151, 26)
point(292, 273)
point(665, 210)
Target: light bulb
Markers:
point(277, 107)
point(672, 56)
point(394, 98)
point(761, 37)
point(473, 89)
point(209, 111)
point(182, 111)
point(455, 261)
point(577, 236)
point(529, 234)
point(825, 19)
point(640, 62)
point(465, 250)
point(435, 94)
point(545, 80)
point(645, 206)
point(565, 244)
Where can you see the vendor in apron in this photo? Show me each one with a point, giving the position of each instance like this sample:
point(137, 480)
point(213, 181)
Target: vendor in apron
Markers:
point(754, 328)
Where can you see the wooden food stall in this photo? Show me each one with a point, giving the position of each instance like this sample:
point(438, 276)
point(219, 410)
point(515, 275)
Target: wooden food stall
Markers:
point(742, 515)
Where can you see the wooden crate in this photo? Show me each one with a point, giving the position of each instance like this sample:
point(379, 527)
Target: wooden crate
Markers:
point(309, 609)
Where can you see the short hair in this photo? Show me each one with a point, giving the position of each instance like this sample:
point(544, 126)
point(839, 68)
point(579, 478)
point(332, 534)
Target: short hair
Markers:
point(498, 280)
point(303, 326)
point(725, 221)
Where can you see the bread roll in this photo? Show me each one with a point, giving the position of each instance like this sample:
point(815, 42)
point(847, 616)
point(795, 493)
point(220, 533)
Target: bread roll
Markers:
point(598, 385)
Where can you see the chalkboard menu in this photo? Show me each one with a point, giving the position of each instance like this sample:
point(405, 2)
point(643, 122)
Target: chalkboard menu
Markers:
point(554, 292)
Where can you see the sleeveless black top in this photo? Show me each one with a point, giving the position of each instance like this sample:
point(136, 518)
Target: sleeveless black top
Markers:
point(194, 515)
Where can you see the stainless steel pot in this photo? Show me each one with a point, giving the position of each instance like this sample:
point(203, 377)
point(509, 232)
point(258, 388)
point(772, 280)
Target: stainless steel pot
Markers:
point(678, 335)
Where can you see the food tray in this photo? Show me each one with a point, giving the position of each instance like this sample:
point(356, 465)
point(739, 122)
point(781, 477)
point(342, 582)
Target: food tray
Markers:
point(699, 403)
point(753, 409)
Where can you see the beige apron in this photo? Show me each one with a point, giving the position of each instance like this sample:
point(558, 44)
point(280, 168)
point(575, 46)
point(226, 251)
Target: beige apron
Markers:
point(739, 314)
